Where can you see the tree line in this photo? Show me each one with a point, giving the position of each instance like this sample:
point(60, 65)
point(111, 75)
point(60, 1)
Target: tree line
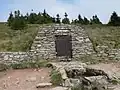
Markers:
point(19, 21)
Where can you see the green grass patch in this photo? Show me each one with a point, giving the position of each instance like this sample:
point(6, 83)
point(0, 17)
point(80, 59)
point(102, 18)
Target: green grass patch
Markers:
point(17, 40)
point(90, 59)
point(21, 40)
point(29, 64)
point(24, 65)
point(56, 78)
point(104, 35)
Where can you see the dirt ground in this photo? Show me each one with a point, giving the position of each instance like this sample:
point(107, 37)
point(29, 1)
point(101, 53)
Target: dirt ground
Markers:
point(25, 79)
point(112, 69)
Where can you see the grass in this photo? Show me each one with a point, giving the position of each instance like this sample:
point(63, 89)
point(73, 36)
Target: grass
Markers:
point(24, 65)
point(21, 40)
point(90, 59)
point(29, 64)
point(56, 78)
point(104, 35)
point(16, 40)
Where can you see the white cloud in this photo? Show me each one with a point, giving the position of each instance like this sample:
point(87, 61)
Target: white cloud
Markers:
point(103, 8)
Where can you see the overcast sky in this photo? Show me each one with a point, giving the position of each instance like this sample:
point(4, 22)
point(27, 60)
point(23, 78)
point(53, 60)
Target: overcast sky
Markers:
point(88, 8)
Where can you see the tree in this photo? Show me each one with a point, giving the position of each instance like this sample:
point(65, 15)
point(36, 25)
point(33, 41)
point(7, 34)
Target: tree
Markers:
point(95, 20)
point(10, 19)
point(40, 19)
point(80, 20)
point(46, 17)
point(17, 13)
point(26, 17)
point(53, 20)
point(114, 19)
point(86, 21)
point(58, 19)
point(16, 21)
point(32, 18)
point(66, 20)
point(66, 15)
point(74, 21)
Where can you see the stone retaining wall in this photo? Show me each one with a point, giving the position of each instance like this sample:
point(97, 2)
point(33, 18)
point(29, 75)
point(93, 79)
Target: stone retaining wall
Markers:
point(14, 57)
point(106, 53)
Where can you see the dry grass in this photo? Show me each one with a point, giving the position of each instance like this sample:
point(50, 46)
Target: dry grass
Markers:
point(104, 35)
point(16, 40)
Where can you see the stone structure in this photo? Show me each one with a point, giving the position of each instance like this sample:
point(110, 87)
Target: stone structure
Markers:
point(14, 57)
point(80, 76)
point(105, 52)
point(44, 45)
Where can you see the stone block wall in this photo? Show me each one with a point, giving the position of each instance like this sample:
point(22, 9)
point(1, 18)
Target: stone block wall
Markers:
point(108, 53)
point(44, 43)
point(14, 57)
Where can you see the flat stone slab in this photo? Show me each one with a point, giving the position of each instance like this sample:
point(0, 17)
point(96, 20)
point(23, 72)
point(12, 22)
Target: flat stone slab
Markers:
point(59, 88)
point(42, 85)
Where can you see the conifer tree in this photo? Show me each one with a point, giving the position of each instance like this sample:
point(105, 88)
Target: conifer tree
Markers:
point(80, 20)
point(16, 21)
point(114, 19)
point(10, 19)
point(85, 21)
point(58, 19)
point(95, 20)
point(66, 19)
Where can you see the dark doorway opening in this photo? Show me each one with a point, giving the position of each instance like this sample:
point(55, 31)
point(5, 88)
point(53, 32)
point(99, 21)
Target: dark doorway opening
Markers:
point(63, 45)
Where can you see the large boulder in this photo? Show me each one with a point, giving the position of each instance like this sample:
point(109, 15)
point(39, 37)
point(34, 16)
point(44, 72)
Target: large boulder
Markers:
point(80, 76)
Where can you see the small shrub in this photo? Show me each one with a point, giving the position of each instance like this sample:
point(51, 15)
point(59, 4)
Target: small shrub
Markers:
point(3, 67)
point(56, 78)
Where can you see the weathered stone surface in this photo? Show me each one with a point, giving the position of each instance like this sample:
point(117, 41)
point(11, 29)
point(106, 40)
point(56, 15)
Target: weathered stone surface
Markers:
point(67, 83)
point(60, 88)
point(70, 66)
point(100, 79)
point(14, 57)
point(63, 73)
point(79, 75)
point(43, 46)
point(42, 85)
point(108, 53)
point(75, 82)
point(45, 41)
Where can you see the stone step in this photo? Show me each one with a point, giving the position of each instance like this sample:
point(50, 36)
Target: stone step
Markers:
point(39, 38)
point(42, 85)
point(37, 42)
